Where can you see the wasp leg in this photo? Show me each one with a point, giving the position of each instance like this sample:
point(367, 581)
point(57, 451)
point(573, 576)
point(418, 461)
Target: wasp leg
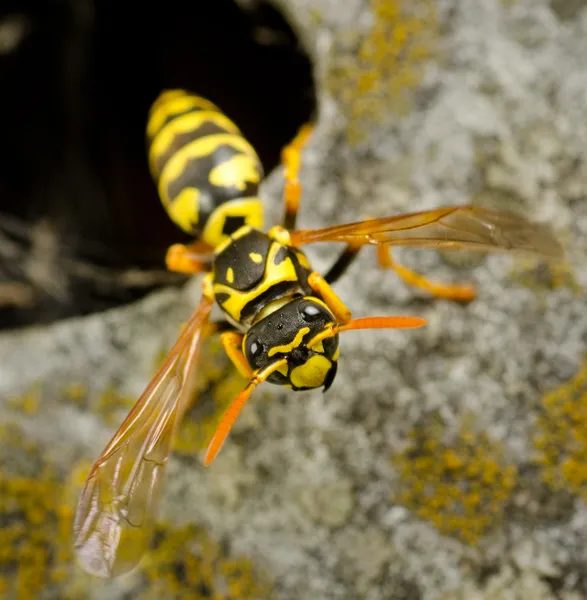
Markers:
point(234, 409)
point(232, 342)
point(214, 327)
point(221, 326)
point(343, 262)
point(322, 289)
point(290, 157)
point(461, 293)
point(190, 259)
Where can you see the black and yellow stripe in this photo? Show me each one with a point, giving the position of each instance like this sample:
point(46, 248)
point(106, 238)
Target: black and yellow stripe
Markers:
point(206, 172)
point(254, 270)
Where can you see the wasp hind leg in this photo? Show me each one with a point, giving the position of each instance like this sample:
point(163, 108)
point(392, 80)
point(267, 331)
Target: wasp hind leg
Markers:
point(460, 293)
point(190, 259)
point(291, 159)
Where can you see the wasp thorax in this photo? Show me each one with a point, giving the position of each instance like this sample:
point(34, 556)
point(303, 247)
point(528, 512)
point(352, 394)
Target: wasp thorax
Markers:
point(288, 333)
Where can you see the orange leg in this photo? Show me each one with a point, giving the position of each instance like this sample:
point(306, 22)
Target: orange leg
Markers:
point(232, 342)
point(321, 288)
point(343, 316)
point(461, 293)
point(233, 411)
point(190, 259)
point(290, 157)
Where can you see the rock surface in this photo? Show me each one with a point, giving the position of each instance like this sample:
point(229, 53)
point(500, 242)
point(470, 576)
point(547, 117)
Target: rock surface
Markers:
point(447, 462)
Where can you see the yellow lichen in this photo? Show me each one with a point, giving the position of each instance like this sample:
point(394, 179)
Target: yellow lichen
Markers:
point(561, 440)
point(36, 558)
point(544, 277)
point(201, 420)
point(76, 393)
point(374, 75)
point(160, 356)
point(110, 403)
point(35, 536)
point(461, 486)
point(188, 564)
point(28, 402)
point(37, 505)
point(218, 383)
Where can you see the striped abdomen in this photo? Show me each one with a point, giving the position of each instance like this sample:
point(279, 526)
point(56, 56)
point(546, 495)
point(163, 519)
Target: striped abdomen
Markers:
point(206, 172)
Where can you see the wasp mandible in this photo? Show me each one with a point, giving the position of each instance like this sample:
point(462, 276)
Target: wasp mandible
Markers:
point(282, 319)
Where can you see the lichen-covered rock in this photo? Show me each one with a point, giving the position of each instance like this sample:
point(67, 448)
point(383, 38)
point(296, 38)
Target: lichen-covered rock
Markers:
point(448, 462)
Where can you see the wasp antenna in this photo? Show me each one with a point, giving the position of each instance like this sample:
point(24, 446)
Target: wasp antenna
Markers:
point(382, 323)
point(368, 323)
point(233, 411)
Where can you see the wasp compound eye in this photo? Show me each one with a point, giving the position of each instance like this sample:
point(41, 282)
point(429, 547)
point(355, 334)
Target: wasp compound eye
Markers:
point(254, 348)
point(310, 311)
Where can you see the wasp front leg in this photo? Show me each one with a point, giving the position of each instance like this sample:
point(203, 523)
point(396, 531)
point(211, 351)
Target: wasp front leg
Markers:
point(460, 293)
point(322, 289)
point(233, 342)
point(190, 259)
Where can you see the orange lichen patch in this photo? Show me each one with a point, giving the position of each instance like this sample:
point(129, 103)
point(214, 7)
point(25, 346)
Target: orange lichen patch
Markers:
point(36, 557)
point(561, 440)
point(461, 486)
point(374, 76)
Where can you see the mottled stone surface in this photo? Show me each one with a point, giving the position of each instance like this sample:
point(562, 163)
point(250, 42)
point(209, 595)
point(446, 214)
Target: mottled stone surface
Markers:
point(313, 487)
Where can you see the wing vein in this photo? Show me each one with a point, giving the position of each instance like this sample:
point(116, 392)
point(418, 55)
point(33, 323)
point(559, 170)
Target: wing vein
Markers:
point(116, 513)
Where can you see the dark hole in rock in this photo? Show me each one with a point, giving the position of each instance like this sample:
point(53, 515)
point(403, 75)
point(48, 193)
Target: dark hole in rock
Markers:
point(78, 208)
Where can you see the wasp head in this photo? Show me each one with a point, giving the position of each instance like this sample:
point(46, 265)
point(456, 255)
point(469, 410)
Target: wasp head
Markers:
point(288, 333)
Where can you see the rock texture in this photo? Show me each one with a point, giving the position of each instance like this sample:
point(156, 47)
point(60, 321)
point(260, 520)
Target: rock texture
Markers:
point(445, 463)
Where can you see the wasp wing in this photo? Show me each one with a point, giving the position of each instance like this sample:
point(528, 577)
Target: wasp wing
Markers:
point(465, 227)
point(118, 505)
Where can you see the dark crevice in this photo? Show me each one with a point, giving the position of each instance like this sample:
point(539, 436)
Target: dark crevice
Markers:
point(81, 226)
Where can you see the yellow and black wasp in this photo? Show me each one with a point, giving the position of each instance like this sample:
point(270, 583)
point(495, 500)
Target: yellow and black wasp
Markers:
point(282, 318)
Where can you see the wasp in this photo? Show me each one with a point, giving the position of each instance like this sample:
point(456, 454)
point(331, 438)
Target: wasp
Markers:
point(281, 319)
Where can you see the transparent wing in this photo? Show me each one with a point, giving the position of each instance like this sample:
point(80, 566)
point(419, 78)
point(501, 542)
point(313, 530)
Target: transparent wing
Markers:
point(117, 508)
point(459, 227)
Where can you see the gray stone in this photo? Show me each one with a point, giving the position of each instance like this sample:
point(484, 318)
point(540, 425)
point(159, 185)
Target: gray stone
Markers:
point(307, 487)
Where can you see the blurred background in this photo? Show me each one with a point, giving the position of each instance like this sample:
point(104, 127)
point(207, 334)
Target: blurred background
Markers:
point(447, 463)
point(78, 207)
